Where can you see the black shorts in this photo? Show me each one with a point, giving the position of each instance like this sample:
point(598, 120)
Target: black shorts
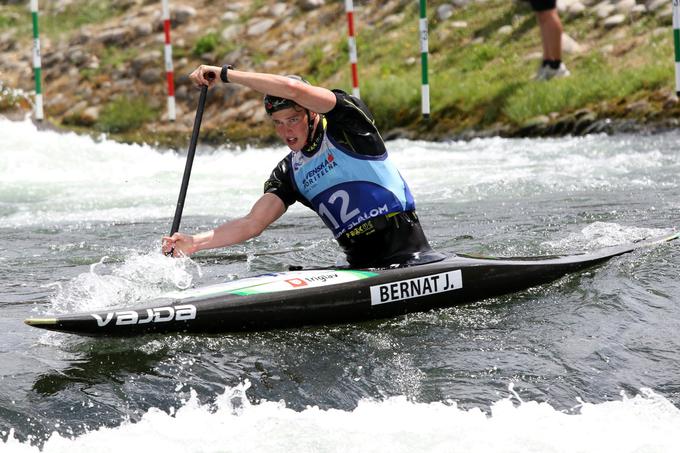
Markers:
point(543, 5)
point(388, 240)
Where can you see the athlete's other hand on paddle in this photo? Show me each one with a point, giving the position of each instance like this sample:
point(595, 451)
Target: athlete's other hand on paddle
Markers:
point(178, 244)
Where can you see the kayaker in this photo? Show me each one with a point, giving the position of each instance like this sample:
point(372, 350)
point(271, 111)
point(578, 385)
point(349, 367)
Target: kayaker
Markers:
point(338, 166)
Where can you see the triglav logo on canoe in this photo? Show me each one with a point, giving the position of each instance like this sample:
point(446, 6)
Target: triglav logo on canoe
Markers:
point(160, 314)
point(321, 278)
point(296, 282)
point(416, 287)
point(315, 280)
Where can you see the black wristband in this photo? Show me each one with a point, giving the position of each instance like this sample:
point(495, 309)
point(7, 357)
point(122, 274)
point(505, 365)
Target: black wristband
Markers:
point(223, 74)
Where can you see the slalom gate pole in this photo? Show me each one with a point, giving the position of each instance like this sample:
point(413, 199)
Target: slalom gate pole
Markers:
point(349, 8)
point(37, 67)
point(169, 71)
point(676, 40)
point(425, 89)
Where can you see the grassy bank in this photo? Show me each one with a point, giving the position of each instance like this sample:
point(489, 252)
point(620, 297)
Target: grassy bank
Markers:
point(486, 78)
point(480, 74)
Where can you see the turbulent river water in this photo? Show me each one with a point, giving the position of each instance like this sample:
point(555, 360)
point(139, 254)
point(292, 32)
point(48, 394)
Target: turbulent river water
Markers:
point(588, 363)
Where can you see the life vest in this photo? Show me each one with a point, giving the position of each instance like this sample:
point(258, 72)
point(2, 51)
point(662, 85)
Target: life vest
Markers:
point(346, 189)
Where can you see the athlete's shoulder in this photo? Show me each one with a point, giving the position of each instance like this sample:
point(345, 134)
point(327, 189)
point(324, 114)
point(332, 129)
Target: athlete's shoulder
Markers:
point(279, 182)
point(349, 105)
point(351, 125)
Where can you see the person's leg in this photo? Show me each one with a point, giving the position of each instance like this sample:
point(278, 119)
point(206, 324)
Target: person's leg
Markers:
point(551, 34)
point(551, 38)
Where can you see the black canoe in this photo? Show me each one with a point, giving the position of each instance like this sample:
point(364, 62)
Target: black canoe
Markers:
point(323, 296)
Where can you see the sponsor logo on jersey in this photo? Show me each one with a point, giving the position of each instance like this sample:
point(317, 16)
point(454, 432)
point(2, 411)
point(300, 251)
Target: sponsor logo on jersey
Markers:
point(315, 174)
point(416, 287)
point(364, 228)
point(149, 315)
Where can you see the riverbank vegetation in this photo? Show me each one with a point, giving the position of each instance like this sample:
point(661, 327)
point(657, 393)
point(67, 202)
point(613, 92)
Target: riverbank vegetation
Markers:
point(483, 57)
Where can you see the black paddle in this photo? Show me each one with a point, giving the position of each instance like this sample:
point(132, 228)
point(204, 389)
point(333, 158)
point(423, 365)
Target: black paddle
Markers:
point(190, 159)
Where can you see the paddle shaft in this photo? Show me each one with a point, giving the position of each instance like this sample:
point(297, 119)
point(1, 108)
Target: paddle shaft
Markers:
point(190, 158)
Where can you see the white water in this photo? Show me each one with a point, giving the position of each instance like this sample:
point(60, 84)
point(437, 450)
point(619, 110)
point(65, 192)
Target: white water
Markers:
point(645, 423)
point(65, 178)
point(58, 178)
point(140, 277)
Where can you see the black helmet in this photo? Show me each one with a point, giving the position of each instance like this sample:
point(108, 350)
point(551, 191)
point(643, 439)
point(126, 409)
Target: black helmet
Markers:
point(274, 103)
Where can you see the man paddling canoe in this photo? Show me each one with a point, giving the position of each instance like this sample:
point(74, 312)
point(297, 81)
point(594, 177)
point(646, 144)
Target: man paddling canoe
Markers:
point(338, 166)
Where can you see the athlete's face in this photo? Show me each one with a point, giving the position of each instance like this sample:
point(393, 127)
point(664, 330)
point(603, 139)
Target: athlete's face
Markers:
point(291, 126)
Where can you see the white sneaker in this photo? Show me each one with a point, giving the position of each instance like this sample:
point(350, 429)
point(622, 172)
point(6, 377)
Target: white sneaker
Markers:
point(547, 73)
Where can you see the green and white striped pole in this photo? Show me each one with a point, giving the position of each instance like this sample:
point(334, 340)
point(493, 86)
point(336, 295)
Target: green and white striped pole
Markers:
point(36, 62)
point(425, 89)
point(676, 39)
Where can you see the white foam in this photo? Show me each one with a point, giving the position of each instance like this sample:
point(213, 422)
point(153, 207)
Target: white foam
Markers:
point(605, 234)
point(140, 277)
point(646, 423)
point(512, 168)
point(48, 178)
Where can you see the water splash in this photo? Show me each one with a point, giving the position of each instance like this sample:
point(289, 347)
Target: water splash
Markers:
point(604, 234)
point(112, 284)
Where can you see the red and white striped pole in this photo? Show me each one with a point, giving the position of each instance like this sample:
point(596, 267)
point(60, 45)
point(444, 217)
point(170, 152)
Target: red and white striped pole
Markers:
point(168, 61)
point(349, 8)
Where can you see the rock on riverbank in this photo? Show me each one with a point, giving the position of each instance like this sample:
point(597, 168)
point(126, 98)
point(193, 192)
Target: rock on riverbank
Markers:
point(120, 59)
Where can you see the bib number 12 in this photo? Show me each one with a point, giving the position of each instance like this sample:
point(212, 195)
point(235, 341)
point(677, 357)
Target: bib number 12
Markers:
point(342, 197)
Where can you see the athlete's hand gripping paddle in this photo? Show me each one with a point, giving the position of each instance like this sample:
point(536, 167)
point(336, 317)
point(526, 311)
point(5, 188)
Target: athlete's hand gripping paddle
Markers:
point(190, 159)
